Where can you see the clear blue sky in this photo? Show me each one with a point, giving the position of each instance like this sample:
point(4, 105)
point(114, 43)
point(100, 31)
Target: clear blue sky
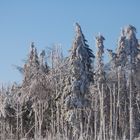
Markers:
point(51, 21)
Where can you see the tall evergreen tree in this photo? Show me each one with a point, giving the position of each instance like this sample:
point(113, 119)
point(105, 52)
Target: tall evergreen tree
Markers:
point(76, 100)
point(100, 75)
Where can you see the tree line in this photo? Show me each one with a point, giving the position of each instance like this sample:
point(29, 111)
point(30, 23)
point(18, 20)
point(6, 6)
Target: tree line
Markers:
point(79, 97)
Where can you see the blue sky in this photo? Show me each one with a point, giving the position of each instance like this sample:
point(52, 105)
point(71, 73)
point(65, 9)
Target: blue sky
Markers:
point(47, 22)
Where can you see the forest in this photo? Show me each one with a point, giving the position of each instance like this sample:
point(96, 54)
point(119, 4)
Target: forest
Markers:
point(78, 97)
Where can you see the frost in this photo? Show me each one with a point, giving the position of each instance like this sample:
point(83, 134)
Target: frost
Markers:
point(68, 98)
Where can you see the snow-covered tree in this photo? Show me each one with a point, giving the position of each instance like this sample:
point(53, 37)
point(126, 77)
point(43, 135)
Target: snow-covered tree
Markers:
point(100, 74)
point(75, 98)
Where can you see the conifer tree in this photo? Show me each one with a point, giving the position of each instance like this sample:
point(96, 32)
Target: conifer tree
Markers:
point(100, 65)
point(132, 52)
point(80, 69)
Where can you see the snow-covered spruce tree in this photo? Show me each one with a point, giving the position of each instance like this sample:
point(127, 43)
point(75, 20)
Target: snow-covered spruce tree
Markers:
point(100, 74)
point(35, 95)
point(32, 66)
point(30, 71)
point(132, 52)
point(76, 100)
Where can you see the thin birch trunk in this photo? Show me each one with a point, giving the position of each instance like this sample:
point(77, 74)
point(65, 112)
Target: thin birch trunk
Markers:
point(95, 117)
point(131, 110)
point(114, 108)
point(103, 115)
point(118, 107)
point(102, 123)
point(17, 129)
point(111, 115)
